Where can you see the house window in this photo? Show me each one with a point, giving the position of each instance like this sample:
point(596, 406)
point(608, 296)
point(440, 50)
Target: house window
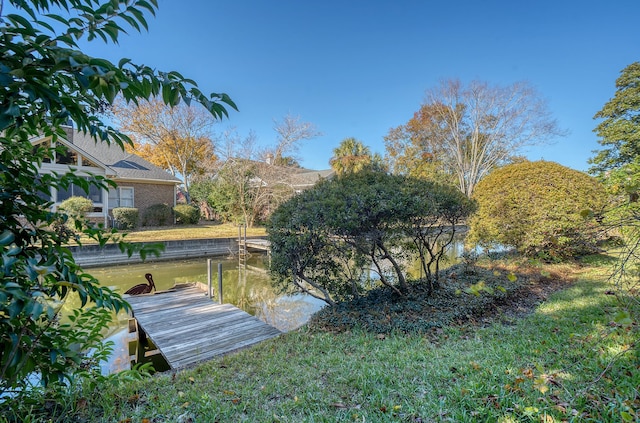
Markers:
point(120, 197)
point(87, 162)
point(94, 194)
point(66, 156)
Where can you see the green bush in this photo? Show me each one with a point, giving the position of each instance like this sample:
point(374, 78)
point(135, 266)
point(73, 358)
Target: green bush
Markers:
point(157, 215)
point(542, 209)
point(126, 217)
point(325, 239)
point(186, 214)
point(76, 208)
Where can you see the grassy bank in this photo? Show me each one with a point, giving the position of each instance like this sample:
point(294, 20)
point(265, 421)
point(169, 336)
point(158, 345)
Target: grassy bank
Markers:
point(565, 362)
point(182, 232)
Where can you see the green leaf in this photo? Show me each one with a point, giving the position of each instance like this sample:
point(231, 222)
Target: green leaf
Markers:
point(19, 20)
point(623, 317)
point(627, 417)
point(6, 237)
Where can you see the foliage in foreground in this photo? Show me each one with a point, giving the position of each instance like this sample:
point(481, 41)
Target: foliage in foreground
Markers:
point(323, 239)
point(567, 361)
point(542, 209)
point(46, 83)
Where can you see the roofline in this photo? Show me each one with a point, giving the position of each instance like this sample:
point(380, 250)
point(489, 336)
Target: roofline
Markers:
point(74, 147)
point(147, 180)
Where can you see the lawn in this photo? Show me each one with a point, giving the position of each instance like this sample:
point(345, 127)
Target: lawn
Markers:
point(564, 359)
point(182, 232)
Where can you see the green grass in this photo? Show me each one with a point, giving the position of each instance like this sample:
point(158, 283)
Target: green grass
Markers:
point(184, 232)
point(564, 362)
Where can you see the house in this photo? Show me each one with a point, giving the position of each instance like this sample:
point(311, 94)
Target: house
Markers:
point(140, 183)
point(266, 174)
point(302, 179)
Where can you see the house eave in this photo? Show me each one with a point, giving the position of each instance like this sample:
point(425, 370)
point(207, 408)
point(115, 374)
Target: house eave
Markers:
point(147, 180)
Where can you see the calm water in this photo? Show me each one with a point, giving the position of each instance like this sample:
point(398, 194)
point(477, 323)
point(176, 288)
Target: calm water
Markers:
point(245, 284)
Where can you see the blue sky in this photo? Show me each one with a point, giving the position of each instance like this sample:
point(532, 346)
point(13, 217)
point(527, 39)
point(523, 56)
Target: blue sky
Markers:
point(358, 68)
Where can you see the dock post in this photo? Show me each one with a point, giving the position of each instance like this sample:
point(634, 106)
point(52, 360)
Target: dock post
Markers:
point(220, 283)
point(209, 282)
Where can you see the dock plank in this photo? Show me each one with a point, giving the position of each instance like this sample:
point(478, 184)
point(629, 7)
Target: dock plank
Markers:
point(188, 327)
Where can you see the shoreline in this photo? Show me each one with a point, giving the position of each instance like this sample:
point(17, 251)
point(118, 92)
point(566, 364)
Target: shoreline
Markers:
point(95, 256)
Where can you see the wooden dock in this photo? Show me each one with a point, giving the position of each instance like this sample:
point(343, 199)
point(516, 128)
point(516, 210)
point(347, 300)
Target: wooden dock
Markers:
point(188, 327)
point(256, 244)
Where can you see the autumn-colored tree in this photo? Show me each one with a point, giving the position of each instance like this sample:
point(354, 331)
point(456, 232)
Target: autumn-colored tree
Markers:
point(469, 131)
point(177, 139)
point(409, 150)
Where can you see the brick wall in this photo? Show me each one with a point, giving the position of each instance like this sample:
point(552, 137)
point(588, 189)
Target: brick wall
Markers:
point(145, 195)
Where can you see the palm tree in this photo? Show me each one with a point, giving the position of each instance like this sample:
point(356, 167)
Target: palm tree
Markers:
point(351, 156)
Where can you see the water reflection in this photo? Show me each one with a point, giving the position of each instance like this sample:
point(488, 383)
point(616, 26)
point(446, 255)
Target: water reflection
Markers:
point(245, 284)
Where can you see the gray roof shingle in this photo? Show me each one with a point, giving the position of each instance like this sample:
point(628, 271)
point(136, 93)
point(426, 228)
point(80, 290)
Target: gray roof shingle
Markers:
point(125, 165)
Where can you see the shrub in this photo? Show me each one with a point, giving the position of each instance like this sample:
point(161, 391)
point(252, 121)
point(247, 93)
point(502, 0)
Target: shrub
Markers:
point(186, 214)
point(540, 208)
point(76, 208)
point(157, 215)
point(126, 217)
point(323, 239)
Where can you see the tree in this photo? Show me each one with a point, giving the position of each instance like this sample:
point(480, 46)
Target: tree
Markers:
point(323, 239)
point(618, 165)
point(619, 162)
point(250, 181)
point(410, 152)
point(469, 131)
point(175, 138)
point(245, 188)
point(47, 82)
point(353, 156)
point(542, 209)
point(290, 132)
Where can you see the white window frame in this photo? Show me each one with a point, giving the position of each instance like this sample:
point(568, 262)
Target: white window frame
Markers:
point(117, 199)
